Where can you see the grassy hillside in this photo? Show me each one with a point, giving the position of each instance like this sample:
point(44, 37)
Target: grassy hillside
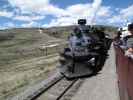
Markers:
point(64, 32)
point(24, 43)
point(22, 61)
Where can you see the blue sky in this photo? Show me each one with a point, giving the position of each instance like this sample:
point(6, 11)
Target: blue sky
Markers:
point(48, 13)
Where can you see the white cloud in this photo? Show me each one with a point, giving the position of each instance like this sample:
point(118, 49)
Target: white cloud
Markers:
point(94, 12)
point(62, 21)
point(88, 10)
point(6, 14)
point(127, 12)
point(65, 16)
point(29, 5)
point(30, 24)
point(104, 11)
point(52, 10)
point(10, 25)
point(28, 18)
point(45, 8)
point(122, 17)
point(36, 6)
point(74, 12)
point(115, 19)
point(7, 25)
point(79, 10)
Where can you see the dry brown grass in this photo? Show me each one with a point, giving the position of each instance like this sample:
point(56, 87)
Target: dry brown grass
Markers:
point(22, 63)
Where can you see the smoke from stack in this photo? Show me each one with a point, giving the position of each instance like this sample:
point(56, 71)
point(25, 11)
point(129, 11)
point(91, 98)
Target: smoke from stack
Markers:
point(95, 6)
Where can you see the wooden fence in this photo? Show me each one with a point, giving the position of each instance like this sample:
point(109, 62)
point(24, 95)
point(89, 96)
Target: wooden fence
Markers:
point(53, 48)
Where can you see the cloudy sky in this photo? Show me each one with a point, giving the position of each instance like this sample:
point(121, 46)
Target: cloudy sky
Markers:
point(48, 13)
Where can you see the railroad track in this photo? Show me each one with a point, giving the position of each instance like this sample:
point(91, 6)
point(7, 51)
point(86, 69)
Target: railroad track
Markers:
point(55, 88)
point(56, 91)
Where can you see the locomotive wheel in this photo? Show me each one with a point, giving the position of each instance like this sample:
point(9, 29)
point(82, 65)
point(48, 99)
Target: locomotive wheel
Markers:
point(62, 61)
point(70, 68)
point(100, 63)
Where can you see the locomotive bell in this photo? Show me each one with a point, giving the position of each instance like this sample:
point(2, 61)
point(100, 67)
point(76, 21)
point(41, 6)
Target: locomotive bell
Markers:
point(82, 21)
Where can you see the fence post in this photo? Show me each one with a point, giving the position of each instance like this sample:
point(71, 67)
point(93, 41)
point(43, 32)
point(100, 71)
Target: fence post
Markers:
point(46, 51)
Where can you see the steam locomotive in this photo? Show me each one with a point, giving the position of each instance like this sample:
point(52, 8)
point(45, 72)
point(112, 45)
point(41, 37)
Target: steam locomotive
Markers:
point(85, 60)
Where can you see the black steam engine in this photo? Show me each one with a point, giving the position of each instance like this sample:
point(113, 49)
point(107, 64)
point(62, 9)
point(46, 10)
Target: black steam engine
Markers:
point(84, 60)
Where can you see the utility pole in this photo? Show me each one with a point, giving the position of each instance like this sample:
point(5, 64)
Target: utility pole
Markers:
point(40, 31)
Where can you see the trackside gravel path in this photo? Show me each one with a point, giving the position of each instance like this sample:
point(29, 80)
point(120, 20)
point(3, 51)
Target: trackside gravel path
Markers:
point(103, 86)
